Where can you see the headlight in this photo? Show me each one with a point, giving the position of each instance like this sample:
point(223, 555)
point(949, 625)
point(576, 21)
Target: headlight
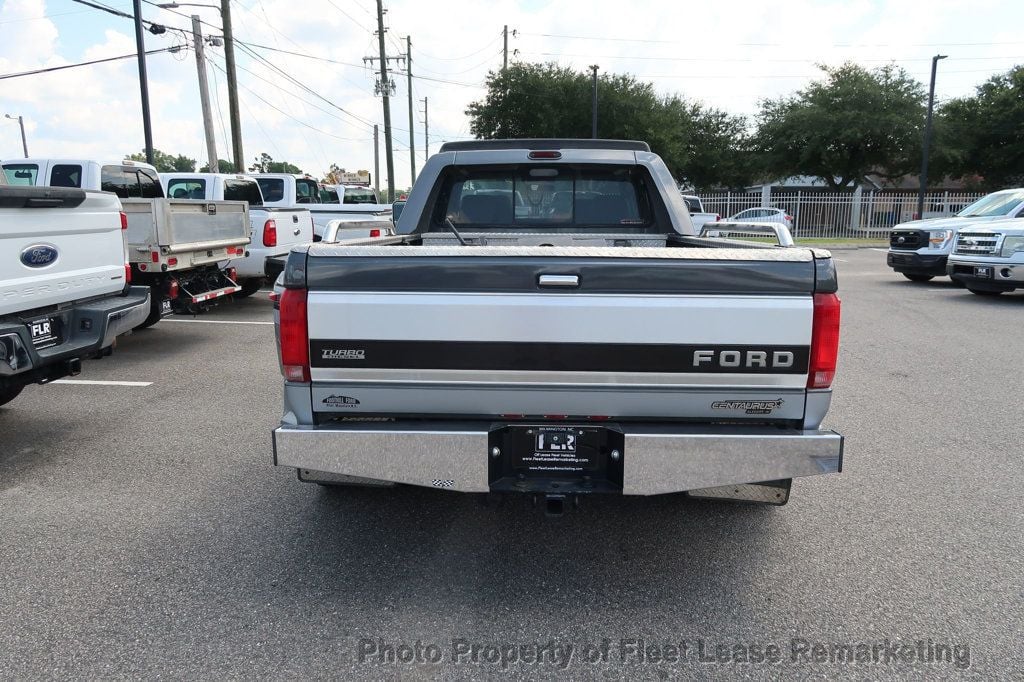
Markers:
point(1012, 245)
point(937, 240)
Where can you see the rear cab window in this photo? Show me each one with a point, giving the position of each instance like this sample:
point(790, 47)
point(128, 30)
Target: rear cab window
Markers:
point(243, 190)
point(558, 197)
point(359, 195)
point(328, 195)
point(186, 188)
point(21, 173)
point(307, 191)
point(130, 182)
point(272, 189)
point(66, 175)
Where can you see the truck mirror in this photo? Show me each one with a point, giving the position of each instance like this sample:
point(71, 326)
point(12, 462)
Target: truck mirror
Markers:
point(396, 211)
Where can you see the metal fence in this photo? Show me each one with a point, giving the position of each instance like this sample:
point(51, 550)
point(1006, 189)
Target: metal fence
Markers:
point(841, 215)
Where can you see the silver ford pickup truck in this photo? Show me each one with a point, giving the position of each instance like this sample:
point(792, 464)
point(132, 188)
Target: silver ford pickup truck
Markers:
point(547, 322)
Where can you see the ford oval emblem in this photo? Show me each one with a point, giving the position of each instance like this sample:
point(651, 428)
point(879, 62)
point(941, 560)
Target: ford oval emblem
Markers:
point(39, 255)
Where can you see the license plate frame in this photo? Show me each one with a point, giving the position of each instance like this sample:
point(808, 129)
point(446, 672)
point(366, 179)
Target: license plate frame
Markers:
point(44, 332)
point(569, 458)
point(984, 271)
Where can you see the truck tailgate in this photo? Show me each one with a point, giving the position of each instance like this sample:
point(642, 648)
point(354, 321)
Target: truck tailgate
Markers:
point(625, 333)
point(181, 225)
point(293, 225)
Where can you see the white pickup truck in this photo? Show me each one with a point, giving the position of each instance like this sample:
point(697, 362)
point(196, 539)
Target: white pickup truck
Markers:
point(547, 322)
point(286, 190)
point(273, 230)
point(64, 283)
point(920, 249)
point(698, 216)
point(988, 258)
point(174, 245)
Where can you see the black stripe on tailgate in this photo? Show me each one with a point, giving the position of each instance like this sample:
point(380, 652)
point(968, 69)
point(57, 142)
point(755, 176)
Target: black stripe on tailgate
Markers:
point(486, 274)
point(559, 357)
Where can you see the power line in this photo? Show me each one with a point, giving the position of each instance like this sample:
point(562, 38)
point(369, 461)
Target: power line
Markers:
point(455, 59)
point(752, 59)
point(133, 55)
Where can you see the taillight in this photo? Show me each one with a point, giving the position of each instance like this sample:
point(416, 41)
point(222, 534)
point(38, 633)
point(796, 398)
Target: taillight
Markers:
point(294, 335)
point(270, 233)
point(824, 341)
point(127, 273)
point(172, 289)
point(375, 232)
point(124, 221)
point(171, 262)
point(718, 217)
point(232, 274)
point(155, 256)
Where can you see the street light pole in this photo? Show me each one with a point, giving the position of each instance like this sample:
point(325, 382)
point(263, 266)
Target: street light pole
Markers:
point(21, 124)
point(927, 138)
point(593, 105)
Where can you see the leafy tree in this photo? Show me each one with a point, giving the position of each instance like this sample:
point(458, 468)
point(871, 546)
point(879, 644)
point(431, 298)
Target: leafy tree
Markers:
point(851, 123)
point(265, 163)
point(167, 163)
point(223, 166)
point(703, 147)
point(983, 135)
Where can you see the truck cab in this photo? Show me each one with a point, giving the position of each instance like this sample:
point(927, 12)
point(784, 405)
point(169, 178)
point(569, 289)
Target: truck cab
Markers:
point(127, 179)
point(920, 249)
point(327, 204)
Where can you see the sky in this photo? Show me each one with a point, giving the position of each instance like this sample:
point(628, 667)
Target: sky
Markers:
point(727, 54)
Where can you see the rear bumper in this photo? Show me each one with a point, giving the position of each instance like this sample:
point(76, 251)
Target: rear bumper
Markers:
point(916, 263)
point(87, 329)
point(657, 458)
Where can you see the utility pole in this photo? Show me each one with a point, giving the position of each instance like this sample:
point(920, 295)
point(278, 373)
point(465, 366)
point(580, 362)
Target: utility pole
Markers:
point(140, 45)
point(384, 86)
point(376, 162)
point(504, 50)
point(927, 139)
point(426, 131)
point(229, 58)
point(412, 129)
point(593, 105)
point(204, 95)
point(21, 124)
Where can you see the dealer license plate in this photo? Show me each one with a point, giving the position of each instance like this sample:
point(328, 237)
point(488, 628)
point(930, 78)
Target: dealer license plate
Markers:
point(45, 332)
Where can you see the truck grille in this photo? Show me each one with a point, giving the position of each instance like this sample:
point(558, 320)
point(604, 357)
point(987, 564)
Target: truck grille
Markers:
point(908, 239)
point(977, 243)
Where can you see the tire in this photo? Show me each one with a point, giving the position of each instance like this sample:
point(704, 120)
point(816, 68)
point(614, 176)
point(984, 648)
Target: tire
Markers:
point(249, 287)
point(10, 393)
point(984, 292)
point(918, 278)
point(154, 309)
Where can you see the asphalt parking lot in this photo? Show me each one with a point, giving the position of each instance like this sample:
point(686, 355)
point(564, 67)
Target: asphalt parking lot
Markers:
point(144, 531)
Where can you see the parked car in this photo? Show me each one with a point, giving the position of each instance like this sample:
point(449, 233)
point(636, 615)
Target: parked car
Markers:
point(698, 216)
point(989, 260)
point(467, 354)
point(284, 190)
point(920, 249)
point(174, 245)
point(762, 215)
point(65, 287)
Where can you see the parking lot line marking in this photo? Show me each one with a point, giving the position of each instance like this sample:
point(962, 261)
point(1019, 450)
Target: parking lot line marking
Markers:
point(882, 250)
point(219, 321)
point(93, 382)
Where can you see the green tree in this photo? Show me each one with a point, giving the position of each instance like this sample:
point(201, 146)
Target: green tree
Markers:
point(703, 147)
point(839, 129)
point(265, 163)
point(223, 166)
point(983, 135)
point(167, 163)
